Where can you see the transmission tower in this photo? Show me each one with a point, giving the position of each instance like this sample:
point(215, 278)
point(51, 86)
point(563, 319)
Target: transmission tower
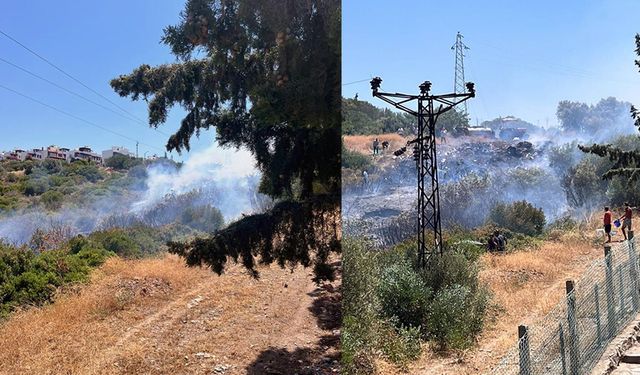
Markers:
point(458, 80)
point(430, 107)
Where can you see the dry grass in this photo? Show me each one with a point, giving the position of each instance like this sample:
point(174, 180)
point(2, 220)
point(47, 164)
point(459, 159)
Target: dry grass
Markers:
point(364, 143)
point(154, 316)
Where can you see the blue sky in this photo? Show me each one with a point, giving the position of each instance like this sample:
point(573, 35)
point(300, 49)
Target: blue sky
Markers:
point(94, 41)
point(525, 56)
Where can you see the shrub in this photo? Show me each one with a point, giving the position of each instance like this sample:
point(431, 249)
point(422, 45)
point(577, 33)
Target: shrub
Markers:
point(359, 308)
point(8, 202)
point(458, 310)
point(447, 317)
point(389, 305)
point(35, 187)
point(355, 160)
point(403, 295)
point(52, 199)
point(203, 218)
point(118, 161)
point(51, 166)
point(520, 216)
point(116, 241)
point(30, 279)
point(89, 172)
point(399, 344)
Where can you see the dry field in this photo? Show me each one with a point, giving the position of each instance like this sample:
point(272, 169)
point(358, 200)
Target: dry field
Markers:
point(364, 143)
point(156, 316)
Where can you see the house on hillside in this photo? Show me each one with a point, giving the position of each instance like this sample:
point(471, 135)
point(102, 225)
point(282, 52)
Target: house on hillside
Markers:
point(56, 153)
point(17, 154)
point(116, 150)
point(85, 153)
point(35, 154)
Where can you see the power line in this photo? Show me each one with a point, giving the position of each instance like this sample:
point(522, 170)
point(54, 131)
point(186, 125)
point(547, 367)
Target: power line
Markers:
point(78, 95)
point(354, 82)
point(68, 75)
point(76, 117)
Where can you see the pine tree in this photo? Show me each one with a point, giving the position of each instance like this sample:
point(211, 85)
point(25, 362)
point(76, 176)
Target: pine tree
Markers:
point(626, 163)
point(266, 75)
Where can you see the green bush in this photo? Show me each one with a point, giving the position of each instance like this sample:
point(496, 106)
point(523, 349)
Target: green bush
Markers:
point(447, 319)
point(52, 199)
point(202, 218)
point(122, 162)
point(520, 216)
point(366, 332)
point(120, 243)
point(458, 311)
point(390, 305)
point(30, 279)
point(403, 295)
point(8, 202)
point(355, 160)
point(35, 187)
point(88, 171)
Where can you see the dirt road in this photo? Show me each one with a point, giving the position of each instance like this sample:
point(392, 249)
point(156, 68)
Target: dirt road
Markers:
point(158, 317)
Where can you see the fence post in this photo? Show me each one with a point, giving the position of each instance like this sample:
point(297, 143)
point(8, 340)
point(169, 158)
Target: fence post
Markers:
point(523, 345)
point(611, 312)
point(562, 354)
point(633, 272)
point(597, 302)
point(574, 360)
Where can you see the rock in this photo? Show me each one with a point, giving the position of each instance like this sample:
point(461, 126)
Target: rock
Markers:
point(203, 355)
point(194, 302)
point(221, 369)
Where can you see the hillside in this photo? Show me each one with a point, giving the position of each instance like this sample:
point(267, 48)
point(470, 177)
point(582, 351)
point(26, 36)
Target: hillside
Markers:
point(157, 316)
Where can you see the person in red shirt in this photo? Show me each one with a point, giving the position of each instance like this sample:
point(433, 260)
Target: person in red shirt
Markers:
point(607, 223)
point(626, 219)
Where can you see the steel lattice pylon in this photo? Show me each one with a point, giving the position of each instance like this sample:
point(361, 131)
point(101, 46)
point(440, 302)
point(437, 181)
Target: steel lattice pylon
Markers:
point(458, 81)
point(428, 224)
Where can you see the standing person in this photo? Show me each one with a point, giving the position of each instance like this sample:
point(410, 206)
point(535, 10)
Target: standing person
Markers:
point(492, 244)
point(443, 136)
point(607, 223)
point(626, 219)
point(501, 241)
point(376, 145)
point(365, 177)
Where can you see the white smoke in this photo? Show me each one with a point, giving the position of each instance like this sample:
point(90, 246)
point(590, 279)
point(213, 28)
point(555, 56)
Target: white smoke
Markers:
point(226, 176)
point(223, 178)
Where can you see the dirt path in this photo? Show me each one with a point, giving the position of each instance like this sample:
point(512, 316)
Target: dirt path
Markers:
point(158, 317)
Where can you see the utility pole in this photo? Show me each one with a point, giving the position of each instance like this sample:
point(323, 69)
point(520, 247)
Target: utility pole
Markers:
point(430, 107)
point(458, 80)
point(137, 144)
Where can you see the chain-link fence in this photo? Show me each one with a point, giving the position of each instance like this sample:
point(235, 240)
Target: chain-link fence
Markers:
point(572, 337)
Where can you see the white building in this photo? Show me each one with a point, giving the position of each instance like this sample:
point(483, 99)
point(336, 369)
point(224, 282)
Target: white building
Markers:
point(116, 150)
